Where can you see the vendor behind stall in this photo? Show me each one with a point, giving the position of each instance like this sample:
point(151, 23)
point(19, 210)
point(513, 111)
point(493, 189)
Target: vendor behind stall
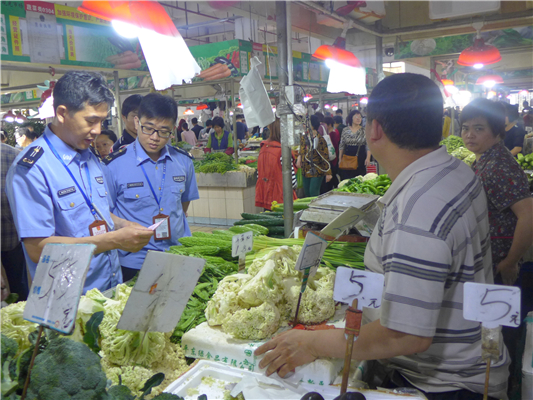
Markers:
point(56, 188)
point(432, 238)
point(219, 140)
point(151, 181)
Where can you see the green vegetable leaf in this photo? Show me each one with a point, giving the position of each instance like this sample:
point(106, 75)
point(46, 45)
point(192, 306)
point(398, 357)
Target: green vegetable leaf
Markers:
point(92, 333)
point(154, 381)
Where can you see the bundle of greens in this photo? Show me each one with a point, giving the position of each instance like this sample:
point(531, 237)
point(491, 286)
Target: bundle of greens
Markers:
point(215, 163)
point(369, 184)
point(452, 143)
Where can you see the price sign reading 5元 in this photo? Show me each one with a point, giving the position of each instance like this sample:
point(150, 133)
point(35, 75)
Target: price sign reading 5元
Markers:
point(365, 286)
point(242, 244)
point(493, 305)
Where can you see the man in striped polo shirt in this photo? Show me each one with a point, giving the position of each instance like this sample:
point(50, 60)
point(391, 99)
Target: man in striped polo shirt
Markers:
point(432, 238)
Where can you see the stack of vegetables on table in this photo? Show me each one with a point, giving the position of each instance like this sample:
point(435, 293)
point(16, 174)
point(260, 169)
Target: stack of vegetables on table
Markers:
point(456, 148)
point(250, 161)
point(215, 162)
point(272, 221)
point(525, 161)
point(298, 204)
point(370, 184)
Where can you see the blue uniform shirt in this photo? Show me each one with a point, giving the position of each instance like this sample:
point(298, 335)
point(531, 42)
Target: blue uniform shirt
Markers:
point(46, 202)
point(132, 199)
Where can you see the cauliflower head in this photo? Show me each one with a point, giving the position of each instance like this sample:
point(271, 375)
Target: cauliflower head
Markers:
point(225, 301)
point(256, 323)
point(265, 286)
point(284, 257)
point(14, 326)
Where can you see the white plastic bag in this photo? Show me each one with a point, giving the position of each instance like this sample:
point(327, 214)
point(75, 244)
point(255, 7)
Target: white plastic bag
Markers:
point(254, 98)
point(331, 148)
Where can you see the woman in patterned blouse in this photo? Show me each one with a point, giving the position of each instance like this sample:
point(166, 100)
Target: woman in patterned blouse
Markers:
point(509, 199)
point(314, 159)
point(353, 143)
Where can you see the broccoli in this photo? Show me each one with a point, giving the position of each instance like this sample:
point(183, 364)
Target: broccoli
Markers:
point(120, 392)
point(167, 396)
point(9, 348)
point(67, 370)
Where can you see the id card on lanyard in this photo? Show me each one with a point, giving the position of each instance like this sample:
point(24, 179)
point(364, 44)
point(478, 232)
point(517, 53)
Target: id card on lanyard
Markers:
point(99, 226)
point(162, 232)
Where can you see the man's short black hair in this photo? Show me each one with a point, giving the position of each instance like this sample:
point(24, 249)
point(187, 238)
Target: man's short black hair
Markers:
point(194, 121)
point(337, 119)
point(131, 103)
point(328, 121)
point(320, 116)
point(29, 133)
point(315, 122)
point(353, 113)
point(76, 89)
point(218, 121)
point(185, 126)
point(338, 111)
point(110, 134)
point(157, 106)
point(492, 111)
point(409, 108)
point(209, 122)
point(239, 116)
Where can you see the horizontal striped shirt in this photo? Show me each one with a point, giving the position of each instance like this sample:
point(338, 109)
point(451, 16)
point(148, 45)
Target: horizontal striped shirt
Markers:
point(433, 237)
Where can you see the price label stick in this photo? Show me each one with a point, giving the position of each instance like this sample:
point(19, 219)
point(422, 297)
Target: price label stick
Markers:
point(240, 245)
point(493, 306)
point(308, 261)
point(56, 289)
point(345, 221)
point(353, 326)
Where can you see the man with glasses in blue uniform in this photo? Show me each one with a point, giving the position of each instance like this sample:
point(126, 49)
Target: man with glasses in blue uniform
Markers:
point(56, 188)
point(152, 182)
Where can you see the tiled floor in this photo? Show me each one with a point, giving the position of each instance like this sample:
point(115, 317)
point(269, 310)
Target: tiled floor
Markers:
point(206, 228)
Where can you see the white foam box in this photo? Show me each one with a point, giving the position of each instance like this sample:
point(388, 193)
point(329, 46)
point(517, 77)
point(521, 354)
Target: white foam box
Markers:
point(211, 343)
point(527, 360)
point(214, 379)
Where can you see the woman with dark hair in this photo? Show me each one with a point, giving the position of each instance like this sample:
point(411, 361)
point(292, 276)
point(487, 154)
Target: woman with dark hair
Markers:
point(335, 140)
point(323, 128)
point(180, 130)
point(219, 140)
point(509, 200)
point(313, 159)
point(353, 144)
point(269, 185)
point(104, 142)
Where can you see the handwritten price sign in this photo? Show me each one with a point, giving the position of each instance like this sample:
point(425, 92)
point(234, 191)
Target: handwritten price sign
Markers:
point(57, 286)
point(365, 286)
point(493, 305)
point(312, 252)
point(242, 244)
point(343, 222)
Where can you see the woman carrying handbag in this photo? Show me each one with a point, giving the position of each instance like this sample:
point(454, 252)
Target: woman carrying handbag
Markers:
point(354, 155)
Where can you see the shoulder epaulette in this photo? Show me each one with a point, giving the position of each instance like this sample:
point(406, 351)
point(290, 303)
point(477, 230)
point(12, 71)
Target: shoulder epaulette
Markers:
point(31, 156)
point(181, 151)
point(113, 156)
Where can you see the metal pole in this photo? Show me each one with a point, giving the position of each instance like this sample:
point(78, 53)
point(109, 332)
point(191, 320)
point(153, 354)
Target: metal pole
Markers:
point(235, 143)
point(118, 103)
point(283, 35)
point(288, 28)
point(379, 52)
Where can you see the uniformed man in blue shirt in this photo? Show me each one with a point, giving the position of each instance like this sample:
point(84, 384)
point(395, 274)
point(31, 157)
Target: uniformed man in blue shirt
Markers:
point(56, 187)
point(129, 111)
point(151, 181)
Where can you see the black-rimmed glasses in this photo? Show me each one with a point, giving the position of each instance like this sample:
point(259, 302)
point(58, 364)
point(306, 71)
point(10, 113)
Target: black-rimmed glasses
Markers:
point(163, 134)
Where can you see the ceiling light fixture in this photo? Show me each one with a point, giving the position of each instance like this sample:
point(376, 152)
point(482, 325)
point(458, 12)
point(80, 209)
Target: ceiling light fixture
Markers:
point(337, 52)
point(9, 116)
point(480, 53)
point(202, 106)
point(188, 111)
point(489, 80)
point(307, 97)
point(19, 118)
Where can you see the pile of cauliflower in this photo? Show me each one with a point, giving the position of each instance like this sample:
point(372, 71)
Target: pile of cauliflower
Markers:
point(252, 306)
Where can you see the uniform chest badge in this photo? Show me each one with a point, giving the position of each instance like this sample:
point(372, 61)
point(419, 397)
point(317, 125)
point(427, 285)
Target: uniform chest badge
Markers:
point(180, 178)
point(99, 179)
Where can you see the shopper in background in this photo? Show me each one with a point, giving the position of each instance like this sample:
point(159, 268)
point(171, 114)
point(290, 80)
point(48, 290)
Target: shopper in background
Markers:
point(242, 129)
point(431, 238)
point(269, 185)
point(527, 115)
point(335, 140)
point(353, 145)
point(196, 127)
point(13, 260)
point(219, 139)
point(152, 181)
point(446, 124)
point(25, 137)
point(56, 189)
point(129, 112)
point(314, 159)
point(323, 129)
point(104, 142)
point(3, 136)
point(337, 124)
point(506, 185)
point(514, 132)
point(338, 113)
point(180, 130)
point(206, 132)
point(187, 135)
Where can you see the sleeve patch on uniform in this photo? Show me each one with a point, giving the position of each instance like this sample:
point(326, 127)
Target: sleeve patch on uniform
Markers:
point(180, 178)
point(31, 156)
point(99, 179)
point(66, 191)
point(114, 155)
